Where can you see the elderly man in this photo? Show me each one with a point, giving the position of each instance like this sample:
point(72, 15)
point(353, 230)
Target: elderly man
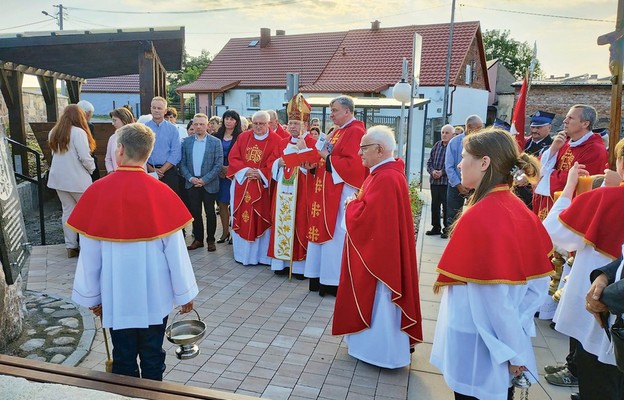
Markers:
point(202, 160)
point(167, 151)
point(338, 175)
point(290, 223)
point(378, 305)
point(576, 143)
point(456, 192)
point(251, 158)
point(275, 125)
point(438, 180)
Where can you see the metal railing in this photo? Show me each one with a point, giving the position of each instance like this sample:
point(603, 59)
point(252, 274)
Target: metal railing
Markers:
point(38, 181)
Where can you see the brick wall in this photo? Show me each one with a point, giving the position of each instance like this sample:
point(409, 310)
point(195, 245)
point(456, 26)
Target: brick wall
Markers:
point(34, 108)
point(472, 58)
point(558, 99)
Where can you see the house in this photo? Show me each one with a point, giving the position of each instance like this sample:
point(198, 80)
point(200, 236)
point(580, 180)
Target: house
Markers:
point(502, 93)
point(110, 92)
point(558, 94)
point(249, 74)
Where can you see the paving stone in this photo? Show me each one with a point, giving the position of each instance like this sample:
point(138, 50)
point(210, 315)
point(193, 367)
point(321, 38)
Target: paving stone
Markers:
point(60, 350)
point(64, 341)
point(32, 344)
point(70, 322)
point(57, 359)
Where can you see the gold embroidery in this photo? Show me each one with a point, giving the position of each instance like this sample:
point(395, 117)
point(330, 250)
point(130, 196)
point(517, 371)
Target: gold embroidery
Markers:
point(316, 209)
point(318, 185)
point(313, 233)
point(246, 216)
point(247, 197)
point(253, 154)
point(283, 226)
point(542, 213)
point(567, 161)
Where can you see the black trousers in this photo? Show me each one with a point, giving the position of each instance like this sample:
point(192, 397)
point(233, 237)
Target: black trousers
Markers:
point(597, 381)
point(198, 197)
point(459, 396)
point(454, 203)
point(438, 199)
point(170, 178)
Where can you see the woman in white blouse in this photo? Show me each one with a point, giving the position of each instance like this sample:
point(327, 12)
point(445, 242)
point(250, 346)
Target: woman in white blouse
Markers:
point(120, 116)
point(70, 171)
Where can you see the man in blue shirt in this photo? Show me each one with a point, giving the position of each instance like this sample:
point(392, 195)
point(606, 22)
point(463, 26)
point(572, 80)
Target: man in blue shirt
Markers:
point(167, 151)
point(456, 192)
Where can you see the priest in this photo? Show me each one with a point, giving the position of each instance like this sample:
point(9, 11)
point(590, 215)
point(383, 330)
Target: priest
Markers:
point(250, 161)
point(339, 174)
point(133, 263)
point(378, 305)
point(288, 242)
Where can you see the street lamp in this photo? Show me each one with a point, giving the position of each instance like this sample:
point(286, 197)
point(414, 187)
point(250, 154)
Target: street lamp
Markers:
point(402, 92)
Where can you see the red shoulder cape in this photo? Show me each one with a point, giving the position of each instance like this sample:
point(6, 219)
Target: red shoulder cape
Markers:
point(484, 247)
point(594, 215)
point(386, 253)
point(128, 206)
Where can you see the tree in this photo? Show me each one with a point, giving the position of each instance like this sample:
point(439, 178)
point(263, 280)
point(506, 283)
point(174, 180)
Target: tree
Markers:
point(514, 55)
point(192, 67)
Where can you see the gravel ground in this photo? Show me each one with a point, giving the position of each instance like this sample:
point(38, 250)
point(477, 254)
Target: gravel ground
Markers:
point(53, 226)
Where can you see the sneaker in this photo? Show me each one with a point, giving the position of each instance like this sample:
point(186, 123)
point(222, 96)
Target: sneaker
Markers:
point(433, 232)
point(553, 369)
point(562, 378)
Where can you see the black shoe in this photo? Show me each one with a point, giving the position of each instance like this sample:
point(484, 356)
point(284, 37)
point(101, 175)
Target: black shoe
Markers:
point(575, 396)
point(433, 232)
point(298, 277)
point(444, 235)
point(282, 272)
point(328, 289)
point(224, 239)
point(314, 284)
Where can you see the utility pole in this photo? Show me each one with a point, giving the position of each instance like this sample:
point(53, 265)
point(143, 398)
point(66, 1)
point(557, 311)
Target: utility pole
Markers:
point(58, 17)
point(448, 67)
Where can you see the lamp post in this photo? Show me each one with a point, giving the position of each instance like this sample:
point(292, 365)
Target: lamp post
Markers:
point(402, 92)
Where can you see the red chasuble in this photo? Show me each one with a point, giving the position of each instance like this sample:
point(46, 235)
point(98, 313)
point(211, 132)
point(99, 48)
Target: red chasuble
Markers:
point(128, 206)
point(379, 246)
point(300, 244)
point(283, 134)
point(592, 154)
point(484, 246)
point(323, 194)
point(597, 216)
point(252, 202)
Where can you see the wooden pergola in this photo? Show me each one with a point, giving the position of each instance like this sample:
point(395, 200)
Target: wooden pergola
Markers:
point(74, 56)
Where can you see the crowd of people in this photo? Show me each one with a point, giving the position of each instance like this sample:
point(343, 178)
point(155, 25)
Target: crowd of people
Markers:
point(296, 199)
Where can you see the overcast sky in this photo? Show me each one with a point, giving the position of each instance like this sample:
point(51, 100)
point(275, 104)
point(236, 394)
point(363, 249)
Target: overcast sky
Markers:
point(565, 30)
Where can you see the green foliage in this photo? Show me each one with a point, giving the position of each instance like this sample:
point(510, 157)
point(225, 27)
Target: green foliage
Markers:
point(415, 200)
point(514, 55)
point(192, 67)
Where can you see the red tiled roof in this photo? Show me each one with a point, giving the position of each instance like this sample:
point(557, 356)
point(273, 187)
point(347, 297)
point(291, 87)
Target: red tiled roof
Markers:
point(367, 60)
point(113, 84)
point(256, 67)
point(345, 62)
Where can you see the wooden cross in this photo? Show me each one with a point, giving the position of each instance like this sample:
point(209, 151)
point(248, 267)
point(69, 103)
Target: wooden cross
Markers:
point(615, 40)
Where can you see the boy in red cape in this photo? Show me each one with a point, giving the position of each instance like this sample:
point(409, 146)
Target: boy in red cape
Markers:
point(133, 263)
point(378, 305)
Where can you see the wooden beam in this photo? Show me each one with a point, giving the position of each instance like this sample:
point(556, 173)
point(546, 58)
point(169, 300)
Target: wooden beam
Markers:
point(11, 85)
point(147, 75)
point(48, 91)
point(38, 71)
point(73, 91)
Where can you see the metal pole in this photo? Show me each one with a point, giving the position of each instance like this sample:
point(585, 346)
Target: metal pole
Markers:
point(416, 61)
point(401, 128)
point(60, 7)
point(448, 67)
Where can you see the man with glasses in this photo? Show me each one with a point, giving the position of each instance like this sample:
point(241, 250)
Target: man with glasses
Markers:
point(338, 175)
point(251, 158)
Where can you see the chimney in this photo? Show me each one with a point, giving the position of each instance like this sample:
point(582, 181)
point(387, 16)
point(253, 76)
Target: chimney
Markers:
point(265, 37)
point(375, 25)
point(552, 77)
point(567, 76)
point(280, 32)
point(594, 76)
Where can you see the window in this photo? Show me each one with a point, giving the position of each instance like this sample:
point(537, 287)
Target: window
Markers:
point(253, 101)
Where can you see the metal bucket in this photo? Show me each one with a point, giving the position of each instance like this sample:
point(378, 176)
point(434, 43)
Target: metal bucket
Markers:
point(186, 333)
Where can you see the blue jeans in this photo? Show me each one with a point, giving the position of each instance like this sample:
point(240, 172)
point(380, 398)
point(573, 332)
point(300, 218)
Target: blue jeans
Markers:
point(454, 204)
point(146, 343)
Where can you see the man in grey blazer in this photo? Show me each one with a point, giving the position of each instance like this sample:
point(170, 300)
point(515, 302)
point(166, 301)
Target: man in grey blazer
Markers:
point(202, 159)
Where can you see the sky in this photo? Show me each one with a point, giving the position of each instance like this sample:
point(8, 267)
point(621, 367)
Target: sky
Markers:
point(565, 30)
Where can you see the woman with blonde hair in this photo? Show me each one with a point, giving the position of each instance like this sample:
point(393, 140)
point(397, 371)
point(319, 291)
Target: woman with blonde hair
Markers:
point(71, 144)
point(491, 283)
point(120, 116)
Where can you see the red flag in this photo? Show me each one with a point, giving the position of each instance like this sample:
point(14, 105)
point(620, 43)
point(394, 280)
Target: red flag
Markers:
point(517, 122)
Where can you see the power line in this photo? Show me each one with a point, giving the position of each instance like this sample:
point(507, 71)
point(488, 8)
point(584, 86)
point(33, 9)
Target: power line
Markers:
point(20, 26)
point(539, 14)
point(200, 11)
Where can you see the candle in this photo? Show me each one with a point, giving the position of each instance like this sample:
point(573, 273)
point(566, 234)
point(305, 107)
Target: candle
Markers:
point(584, 184)
point(558, 194)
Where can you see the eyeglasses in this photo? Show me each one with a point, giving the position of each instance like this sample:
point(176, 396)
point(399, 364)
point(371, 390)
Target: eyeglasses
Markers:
point(363, 147)
point(260, 123)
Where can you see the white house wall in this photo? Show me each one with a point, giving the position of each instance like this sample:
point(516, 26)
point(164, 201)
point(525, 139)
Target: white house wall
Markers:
point(466, 102)
point(104, 103)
